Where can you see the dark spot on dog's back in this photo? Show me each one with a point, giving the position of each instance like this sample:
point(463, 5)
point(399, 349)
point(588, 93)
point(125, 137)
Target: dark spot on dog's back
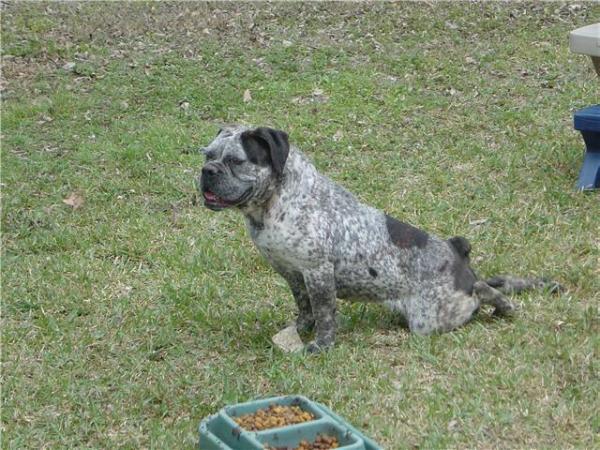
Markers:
point(404, 235)
point(372, 272)
point(281, 217)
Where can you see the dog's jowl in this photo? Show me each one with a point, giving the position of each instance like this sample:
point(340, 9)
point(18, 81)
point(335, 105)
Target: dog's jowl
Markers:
point(328, 245)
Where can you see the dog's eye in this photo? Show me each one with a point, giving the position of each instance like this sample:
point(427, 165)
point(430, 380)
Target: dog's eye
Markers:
point(233, 160)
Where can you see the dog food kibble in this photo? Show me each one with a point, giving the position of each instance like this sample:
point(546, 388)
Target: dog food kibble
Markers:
point(323, 442)
point(273, 417)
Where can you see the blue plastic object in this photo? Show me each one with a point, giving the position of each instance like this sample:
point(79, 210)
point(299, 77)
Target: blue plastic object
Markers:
point(221, 432)
point(587, 121)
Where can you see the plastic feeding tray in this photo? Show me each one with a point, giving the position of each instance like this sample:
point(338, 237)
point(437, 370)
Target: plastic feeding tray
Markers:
point(587, 121)
point(586, 40)
point(221, 431)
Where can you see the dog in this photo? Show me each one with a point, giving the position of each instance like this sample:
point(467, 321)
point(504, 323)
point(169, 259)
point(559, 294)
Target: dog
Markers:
point(329, 245)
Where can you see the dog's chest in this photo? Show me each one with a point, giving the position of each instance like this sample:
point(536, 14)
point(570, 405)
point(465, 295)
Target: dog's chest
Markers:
point(280, 244)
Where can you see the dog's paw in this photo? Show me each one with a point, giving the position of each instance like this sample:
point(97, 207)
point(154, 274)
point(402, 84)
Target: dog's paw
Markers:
point(314, 347)
point(552, 286)
point(506, 310)
point(305, 325)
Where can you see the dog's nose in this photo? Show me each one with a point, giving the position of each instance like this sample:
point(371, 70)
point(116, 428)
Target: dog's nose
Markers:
point(210, 170)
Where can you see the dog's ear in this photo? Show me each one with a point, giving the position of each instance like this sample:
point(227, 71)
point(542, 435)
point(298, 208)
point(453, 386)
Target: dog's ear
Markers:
point(266, 146)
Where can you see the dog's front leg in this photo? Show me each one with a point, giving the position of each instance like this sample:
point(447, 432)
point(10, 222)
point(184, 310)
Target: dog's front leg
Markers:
point(305, 321)
point(320, 284)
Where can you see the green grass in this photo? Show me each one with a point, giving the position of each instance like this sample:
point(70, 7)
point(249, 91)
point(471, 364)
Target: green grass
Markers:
point(128, 320)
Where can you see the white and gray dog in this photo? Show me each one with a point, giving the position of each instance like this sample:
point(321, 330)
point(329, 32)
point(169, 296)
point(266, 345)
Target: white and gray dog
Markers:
point(329, 245)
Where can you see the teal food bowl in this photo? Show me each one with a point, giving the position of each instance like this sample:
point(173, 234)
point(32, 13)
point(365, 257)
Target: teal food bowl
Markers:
point(221, 432)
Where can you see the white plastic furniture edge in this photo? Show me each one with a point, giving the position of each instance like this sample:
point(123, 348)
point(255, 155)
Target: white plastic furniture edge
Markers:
point(586, 40)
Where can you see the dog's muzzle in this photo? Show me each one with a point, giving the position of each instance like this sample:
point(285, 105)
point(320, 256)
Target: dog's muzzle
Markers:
point(205, 183)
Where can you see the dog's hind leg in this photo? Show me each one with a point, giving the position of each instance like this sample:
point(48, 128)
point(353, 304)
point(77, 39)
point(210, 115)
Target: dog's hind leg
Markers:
point(487, 295)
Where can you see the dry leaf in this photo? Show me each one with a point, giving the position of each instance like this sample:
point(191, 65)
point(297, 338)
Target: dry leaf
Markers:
point(477, 222)
point(247, 96)
point(74, 200)
point(44, 119)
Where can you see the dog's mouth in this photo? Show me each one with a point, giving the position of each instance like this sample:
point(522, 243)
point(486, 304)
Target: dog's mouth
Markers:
point(216, 203)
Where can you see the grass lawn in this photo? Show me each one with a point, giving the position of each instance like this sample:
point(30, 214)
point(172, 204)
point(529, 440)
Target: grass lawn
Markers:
point(129, 313)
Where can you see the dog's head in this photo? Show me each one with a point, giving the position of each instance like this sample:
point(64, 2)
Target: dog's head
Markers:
point(242, 164)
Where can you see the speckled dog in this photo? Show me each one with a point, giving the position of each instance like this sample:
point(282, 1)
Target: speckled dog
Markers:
point(328, 245)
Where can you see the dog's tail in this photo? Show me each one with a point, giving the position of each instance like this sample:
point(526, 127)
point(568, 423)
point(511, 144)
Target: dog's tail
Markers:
point(507, 284)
